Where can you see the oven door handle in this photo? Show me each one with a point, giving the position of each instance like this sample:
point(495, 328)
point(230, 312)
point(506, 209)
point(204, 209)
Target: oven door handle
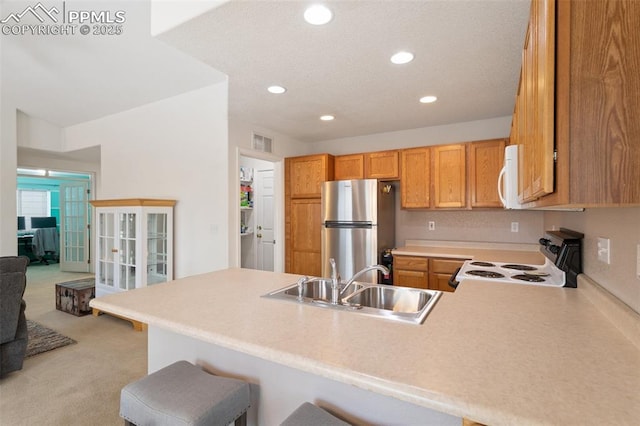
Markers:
point(452, 281)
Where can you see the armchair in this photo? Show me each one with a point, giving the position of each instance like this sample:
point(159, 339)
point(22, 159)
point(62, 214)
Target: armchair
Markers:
point(13, 323)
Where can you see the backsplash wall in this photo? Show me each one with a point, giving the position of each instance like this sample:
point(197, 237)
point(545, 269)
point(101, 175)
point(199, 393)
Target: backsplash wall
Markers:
point(622, 226)
point(477, 225)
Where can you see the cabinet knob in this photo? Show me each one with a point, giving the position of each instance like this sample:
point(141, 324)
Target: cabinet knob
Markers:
point(114, 250)
point(259, 228)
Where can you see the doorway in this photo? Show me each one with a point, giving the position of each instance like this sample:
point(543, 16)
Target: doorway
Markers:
point(61, 200)
point(261, 220)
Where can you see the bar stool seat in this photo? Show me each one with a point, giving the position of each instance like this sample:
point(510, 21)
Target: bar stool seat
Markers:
point(184, 394)
point(311, 415)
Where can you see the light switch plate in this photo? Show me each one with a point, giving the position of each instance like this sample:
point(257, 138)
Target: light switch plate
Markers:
point(515, 226)
point(432, 225)
point(604, 250)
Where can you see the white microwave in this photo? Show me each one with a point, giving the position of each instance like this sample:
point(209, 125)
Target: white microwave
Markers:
point(508, 179)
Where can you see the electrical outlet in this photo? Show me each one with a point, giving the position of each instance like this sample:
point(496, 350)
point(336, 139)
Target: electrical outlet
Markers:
point(432, 225)
point(515, 226)
point(604, 250)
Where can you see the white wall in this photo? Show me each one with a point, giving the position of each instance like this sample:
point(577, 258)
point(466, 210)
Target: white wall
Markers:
point(176, 148)
point(622, 226)
point(37, 133)
point(240, 137)
point(435, 135)
point(8, 164)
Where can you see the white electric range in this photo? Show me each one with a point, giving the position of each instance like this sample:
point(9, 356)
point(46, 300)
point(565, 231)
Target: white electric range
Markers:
point(563, 262)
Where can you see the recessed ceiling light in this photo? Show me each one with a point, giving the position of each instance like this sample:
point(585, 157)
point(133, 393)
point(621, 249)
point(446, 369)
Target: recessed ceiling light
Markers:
point(327, 117)
point(318, 14)
point(276, 90)
point(428, 99)
point(402, 58)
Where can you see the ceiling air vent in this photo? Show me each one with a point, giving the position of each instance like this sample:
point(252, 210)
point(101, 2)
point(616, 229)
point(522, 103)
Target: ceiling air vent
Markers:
point(261, 143)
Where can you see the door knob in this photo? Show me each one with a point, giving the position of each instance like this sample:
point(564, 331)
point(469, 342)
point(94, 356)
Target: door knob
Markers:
point(259, 227)
point(259, 235)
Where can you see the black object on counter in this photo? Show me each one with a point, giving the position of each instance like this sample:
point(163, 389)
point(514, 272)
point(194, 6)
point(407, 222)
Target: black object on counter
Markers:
point(386, 259)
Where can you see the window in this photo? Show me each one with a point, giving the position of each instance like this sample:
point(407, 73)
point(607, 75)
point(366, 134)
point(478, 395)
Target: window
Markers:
point(33, 202)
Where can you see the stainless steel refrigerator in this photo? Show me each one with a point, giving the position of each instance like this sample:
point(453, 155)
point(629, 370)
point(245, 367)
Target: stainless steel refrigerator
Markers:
point(358, 223)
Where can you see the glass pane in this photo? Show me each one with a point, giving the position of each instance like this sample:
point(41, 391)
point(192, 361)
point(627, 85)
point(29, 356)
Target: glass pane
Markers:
point(123, 225)
point(123, 277)
point(109, 246)
point(132, 252)
point(132, 225)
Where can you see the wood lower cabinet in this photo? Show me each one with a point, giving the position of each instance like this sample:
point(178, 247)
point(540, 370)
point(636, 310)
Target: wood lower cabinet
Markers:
point(415, 185)
point(424, 272)
point(440, 271)
point(450, 176)
point(349, 167)
point(411, 271)
point(485, 162)
point(382, 165)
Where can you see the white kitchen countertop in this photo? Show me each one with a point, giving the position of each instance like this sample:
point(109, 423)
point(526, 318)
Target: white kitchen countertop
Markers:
point(494, 353)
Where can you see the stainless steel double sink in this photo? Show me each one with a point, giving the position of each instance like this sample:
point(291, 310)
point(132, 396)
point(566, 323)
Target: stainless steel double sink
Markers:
point(403, 304)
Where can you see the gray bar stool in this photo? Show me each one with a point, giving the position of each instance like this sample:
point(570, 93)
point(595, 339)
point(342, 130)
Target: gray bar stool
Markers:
point(184, 394)
point(310, 415)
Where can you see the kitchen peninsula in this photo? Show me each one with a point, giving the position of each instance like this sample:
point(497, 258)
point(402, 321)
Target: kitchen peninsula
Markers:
point(493, 353)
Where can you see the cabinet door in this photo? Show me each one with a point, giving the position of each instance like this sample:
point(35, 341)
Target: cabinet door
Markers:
point(414, 182)
point(106, 249)
point(449, 176)
point(382, 165)
point(536, 112)
point(305, 237)
point(415, 279)
point(306, 175)
point(349, 167)
point(440, 282)
point(485, 160)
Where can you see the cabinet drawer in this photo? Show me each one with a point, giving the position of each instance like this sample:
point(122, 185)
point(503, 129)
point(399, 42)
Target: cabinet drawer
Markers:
point(415, 279)
point(444, 266)
point(412, 263)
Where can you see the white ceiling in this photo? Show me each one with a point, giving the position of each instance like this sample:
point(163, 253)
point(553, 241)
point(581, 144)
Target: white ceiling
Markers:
point(72, 79)
point(467, 54)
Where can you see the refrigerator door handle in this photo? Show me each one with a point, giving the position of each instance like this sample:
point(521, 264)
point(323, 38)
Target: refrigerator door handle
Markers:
point(335, 224)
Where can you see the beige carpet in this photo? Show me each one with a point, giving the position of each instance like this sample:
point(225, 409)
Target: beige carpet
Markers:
point(77, 384)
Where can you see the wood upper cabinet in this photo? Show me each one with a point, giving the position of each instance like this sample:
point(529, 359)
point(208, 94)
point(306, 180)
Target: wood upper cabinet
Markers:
point(305, 237)
point(349, 167)
point(306, 174)
point(450, 176)
point(535, 104)
point(382, 165)
point(485, 162)
point(415, 185)
point(597, 102)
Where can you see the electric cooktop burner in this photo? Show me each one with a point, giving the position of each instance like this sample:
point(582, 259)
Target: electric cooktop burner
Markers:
point(487, 264)
point(528, 278)
point(485, 274)
point(520, 267)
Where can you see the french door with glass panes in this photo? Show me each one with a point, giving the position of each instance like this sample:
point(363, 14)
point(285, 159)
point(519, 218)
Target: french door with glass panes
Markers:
point(134, 246)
